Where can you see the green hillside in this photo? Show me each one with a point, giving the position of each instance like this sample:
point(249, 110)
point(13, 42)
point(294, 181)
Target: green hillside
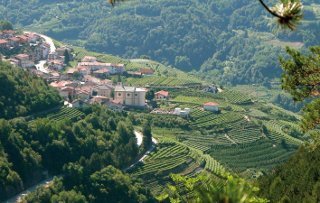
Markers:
point(22, 93)
point(226, 40)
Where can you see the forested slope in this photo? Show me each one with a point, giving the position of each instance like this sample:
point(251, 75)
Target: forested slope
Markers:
point(230, 40)
point(79, 148)
point(22, 93)
point(295, 181)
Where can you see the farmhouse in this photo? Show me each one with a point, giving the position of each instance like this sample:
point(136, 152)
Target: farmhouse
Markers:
point(5, 34)
point(56, 65)
point(101, 73)
point(89, 59)
point(130, 96)
point(84, 92)
point(211, 106)
point(67, 92)
point(3, 43)
point(14, 41)
point(184, 113)
point(161, 95)
point(104, 90)
point(23, 60)
point(146, 71)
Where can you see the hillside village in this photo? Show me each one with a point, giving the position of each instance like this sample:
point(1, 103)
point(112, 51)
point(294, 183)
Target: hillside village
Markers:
point(87, 82)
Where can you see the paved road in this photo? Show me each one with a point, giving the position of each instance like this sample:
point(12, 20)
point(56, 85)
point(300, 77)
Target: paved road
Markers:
point(48, 181)
point(19, 196)
point(152, 147)
point(40, 65)
point(50, 42)
point(139, 137)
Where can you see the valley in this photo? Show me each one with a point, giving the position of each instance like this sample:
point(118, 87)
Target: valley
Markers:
point(159, 101)
point(199, 127)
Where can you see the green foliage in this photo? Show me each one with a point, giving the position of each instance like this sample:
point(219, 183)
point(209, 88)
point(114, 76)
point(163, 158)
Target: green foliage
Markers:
point(111, 185)
point(150, 95)
point(301, 79)
point(206, 189)
point(22, 93)
point(225, 40)
point(147, 136)
point(66, 57)
point(76, 147)
point(300, 76)
point(5, 25)
point(295, 181)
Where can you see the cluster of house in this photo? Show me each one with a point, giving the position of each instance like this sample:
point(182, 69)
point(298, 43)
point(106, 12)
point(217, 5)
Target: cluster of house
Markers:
point(90, 66)
point(11, 40)
point(56, 60)
point(97, 91)
point(36, 49)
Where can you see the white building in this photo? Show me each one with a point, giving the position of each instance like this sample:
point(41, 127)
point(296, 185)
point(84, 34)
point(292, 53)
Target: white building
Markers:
point(185, 112)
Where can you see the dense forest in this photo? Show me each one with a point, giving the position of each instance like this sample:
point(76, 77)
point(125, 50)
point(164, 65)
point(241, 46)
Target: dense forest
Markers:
point(78, 149)
point(296, 181)
point(227, 41)
point(22, 93)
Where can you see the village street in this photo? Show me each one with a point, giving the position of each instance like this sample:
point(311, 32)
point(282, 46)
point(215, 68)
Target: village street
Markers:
point(48, 40)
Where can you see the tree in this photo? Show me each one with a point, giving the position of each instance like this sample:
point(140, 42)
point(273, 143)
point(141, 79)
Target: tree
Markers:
point(5, 25)
point(150, 95)
point(301, 78)
point(69, 197)
point(147, 135)
point(111, 185)
point(288, 12)
point(203, 189)
point(66, 57)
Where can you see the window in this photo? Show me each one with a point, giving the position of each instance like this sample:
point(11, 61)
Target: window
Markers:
point(135, 94)
point(128, 95)
point(119, 94)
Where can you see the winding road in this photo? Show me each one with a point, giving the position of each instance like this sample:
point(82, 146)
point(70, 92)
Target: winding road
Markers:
point(40, 65)
point(48, 181)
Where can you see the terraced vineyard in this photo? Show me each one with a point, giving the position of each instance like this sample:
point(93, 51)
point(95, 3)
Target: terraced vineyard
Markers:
point(163, 81)
point(261, 154)
point(65, 113)
point(245, 134)
point(209, 121)
point(169, 158)
point(174, 157)
point(235, 97)
point(277, 132)
point(195, 100)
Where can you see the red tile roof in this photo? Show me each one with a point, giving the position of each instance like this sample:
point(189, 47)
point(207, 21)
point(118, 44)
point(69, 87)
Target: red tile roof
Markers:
point(211, 104)
point(15, 39)
point(22, 56)
point(162, 92)
point(103, 70)
point(2, 41)
point(147, 71)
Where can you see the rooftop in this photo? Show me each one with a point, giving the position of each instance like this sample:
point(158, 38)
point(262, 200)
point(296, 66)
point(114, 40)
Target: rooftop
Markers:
point(211, 104)
point(162, 92)
point(2, 41)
